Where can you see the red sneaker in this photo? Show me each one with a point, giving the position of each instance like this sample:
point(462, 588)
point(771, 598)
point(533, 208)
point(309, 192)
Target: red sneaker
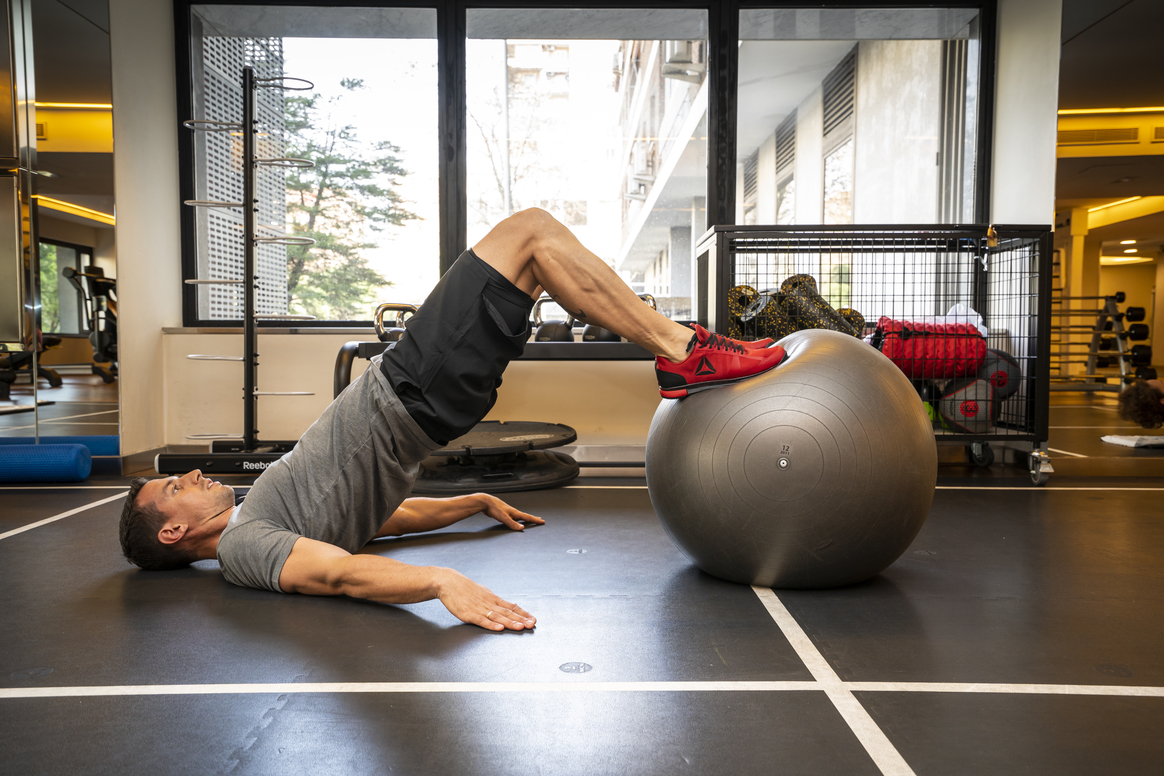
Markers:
point(751, 344)
point(715, 360)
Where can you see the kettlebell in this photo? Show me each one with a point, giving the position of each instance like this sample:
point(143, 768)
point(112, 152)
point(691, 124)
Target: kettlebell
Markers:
point(592, 332)
point(551, 331)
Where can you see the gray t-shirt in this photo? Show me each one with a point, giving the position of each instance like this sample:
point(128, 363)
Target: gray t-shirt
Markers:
point(342, 481)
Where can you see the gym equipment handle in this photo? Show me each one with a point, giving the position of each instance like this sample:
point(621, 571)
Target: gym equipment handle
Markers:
point(214, 436)
point(213, 282)
point(281, 81)
point(277, 317)
point(287, 161)
point(401, 309)
point(284, 393)
point(210, 203)
point(285, 240)
point(214, 358)
point(210, 125)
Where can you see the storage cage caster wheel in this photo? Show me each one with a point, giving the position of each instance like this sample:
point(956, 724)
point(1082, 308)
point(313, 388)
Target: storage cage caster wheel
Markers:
point(1040, 468)
point(981, 454)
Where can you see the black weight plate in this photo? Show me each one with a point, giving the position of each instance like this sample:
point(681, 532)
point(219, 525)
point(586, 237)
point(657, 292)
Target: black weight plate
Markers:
point(530, 471)
point(496, 437)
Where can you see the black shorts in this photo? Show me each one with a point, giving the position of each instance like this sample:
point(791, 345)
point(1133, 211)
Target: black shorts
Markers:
point(448, 364)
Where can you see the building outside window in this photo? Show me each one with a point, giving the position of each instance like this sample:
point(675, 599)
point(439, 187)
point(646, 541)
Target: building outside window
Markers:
point(598, 117)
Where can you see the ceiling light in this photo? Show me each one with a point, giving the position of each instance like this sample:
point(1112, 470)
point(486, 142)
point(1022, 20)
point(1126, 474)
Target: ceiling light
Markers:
point(1123, 261)
point(1085, 111)
point(76, 105)
point(1131, 250)
point(1113, 204)
point(1127, 242)
point(76, 210)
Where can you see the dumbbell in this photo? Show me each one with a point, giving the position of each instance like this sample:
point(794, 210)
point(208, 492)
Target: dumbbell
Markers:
point(1141, 355)
point(551, 331)
point(1145, 373)
point(1135, 313)
point(1103, 362)
point(1138, 331)
point(403, 313)
point(1107, 343)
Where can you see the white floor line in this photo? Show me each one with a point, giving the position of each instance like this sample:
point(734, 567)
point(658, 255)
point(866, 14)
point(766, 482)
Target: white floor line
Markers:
point(1008, 689)
point(1129, 428)
point(62, 515)
point(84, 422)
point(259, 688)
point(403, 687)
point(1066, 452)
point(604, 487)
point(876, 743)
point(1032, 489)
point(62, 418)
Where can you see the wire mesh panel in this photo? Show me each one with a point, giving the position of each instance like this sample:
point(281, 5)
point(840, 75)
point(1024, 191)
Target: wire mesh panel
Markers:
point(963, 311)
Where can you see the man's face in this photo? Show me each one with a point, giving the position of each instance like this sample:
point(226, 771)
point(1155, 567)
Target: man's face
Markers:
point(190, 499)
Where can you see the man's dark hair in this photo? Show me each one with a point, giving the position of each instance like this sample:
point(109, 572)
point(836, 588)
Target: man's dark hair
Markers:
point(139, 528)
point(1140, 403)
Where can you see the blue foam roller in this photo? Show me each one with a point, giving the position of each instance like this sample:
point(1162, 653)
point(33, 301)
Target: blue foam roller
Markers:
point(44, 463)
point(98, 445)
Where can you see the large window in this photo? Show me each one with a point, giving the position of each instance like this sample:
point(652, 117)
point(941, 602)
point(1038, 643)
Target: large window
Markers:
point(369, 125)
point(428, 125)
point(867, 100)
point(599, 117)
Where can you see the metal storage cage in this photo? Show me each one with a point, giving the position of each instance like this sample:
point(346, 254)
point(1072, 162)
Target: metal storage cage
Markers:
point(908, 273)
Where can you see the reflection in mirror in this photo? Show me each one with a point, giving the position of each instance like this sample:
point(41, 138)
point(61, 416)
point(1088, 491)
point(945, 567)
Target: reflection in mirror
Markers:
point(74, 220)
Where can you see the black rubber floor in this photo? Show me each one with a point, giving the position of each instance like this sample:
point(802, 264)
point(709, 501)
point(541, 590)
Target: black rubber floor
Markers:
point(106, 669)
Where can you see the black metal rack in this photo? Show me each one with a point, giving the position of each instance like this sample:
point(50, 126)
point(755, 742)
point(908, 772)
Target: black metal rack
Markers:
point(244, 453)
point(909, 272)
point(1104, 341)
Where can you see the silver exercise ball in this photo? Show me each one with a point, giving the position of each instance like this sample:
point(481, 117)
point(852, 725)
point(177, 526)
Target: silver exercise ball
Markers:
point(816, 474)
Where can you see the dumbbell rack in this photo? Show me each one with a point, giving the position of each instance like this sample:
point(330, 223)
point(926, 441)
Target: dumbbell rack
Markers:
point(1109, 321)
point(244, 453)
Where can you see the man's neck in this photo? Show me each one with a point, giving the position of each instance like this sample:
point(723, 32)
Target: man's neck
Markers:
point(207, 547)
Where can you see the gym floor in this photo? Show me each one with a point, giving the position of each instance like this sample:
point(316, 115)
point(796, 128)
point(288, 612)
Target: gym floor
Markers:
point(1020, 633)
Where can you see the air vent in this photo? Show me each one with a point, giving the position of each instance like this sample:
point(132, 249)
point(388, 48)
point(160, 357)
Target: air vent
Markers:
point(1158, 135)
point(786, 143)
point(840, 87)
point(1099, 136)
point(41, 130)
point(751, 183)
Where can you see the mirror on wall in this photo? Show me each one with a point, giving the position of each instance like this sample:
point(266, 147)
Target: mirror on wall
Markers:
point(72, 218)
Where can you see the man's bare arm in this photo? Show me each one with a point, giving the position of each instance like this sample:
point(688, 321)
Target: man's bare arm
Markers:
point(417, 515)
point(318, 568)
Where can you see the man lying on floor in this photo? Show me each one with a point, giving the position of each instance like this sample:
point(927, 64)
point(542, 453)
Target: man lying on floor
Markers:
point(347, 480)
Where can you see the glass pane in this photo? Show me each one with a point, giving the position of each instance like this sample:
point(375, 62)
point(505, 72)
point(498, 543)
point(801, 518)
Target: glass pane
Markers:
point(61, 306)
point(369, 125)
point(599, 117)
point(864, 116)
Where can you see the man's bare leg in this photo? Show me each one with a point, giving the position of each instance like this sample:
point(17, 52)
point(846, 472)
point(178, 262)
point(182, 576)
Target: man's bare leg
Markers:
point(535, 251)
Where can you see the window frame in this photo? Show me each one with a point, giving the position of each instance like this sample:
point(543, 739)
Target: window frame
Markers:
point(723, 69)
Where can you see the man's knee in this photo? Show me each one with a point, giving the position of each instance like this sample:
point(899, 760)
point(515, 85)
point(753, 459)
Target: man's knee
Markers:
point(537, 227)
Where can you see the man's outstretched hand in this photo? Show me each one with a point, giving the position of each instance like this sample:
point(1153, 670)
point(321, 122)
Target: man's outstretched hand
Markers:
point(478, 605)
point(505, 514)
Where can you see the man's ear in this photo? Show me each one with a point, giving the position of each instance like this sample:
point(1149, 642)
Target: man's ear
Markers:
point(172, 533)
